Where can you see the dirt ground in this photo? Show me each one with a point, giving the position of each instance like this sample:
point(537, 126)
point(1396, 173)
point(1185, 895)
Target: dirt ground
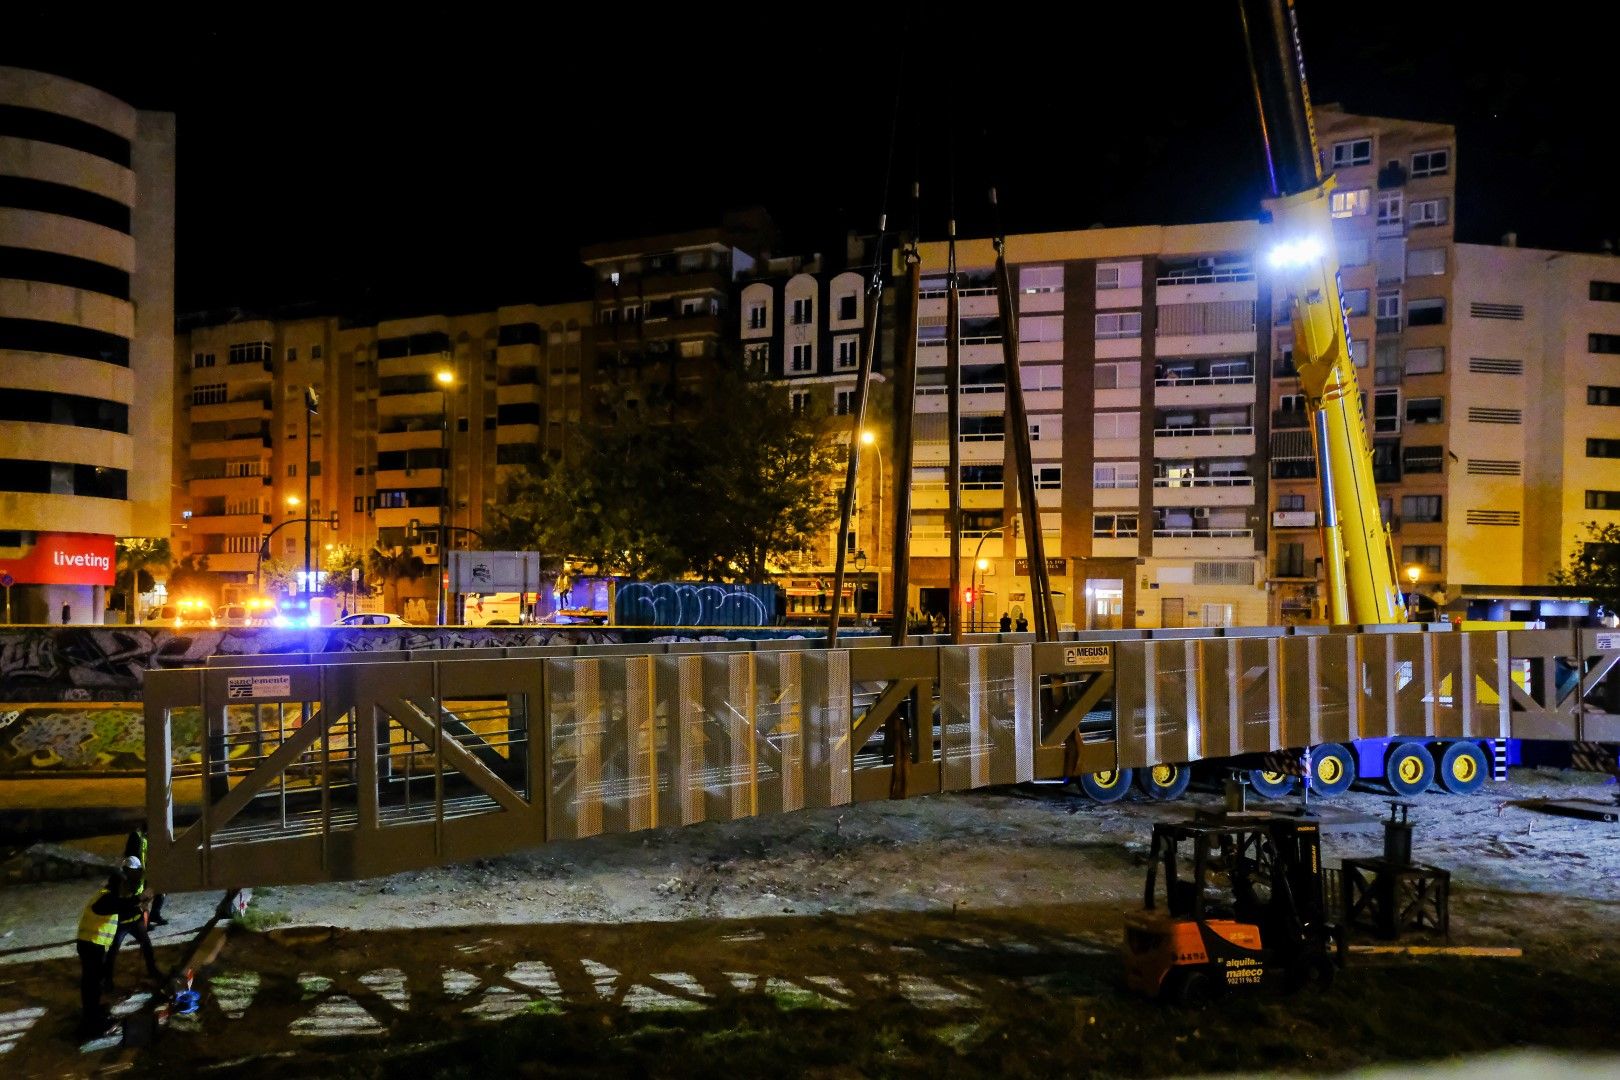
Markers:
point(962, 935)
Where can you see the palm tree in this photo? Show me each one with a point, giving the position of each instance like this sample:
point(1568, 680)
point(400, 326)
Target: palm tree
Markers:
point(389, 565)
point(138, 555)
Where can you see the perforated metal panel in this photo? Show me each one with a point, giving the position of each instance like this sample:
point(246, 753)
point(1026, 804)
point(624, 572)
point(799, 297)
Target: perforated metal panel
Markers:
point(778, 731)
point(600, 718)
point(987, 716)
point(826, 714)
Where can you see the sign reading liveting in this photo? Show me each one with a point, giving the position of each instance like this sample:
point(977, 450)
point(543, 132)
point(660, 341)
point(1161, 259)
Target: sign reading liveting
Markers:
point(63, 559)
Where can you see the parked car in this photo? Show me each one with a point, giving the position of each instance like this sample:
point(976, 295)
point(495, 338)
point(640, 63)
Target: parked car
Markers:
point(184, 613)
point(372, 618)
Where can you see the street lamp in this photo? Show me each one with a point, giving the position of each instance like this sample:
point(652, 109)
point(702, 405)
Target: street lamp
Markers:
point(447, 380)
point(869, 439)
point(312, 405)
point(1413, 572)
point(979, 566)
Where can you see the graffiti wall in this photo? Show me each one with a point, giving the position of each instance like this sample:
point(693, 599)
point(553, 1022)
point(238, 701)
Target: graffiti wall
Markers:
point(684, 603)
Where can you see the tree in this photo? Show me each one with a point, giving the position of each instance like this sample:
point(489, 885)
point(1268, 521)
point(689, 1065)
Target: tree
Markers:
point(339, 563)
point(278, 575)
point(138, 556)
point(388, 566)
point(737, 480)
point(1594, 565)
point(190, 577)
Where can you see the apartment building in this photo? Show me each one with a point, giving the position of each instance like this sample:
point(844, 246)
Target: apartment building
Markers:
point(86, 325)
point(1142, 362)
point(801, 322)
point(1534, 452)
point(418, 423)
point(1393, 210)
point(662, 309)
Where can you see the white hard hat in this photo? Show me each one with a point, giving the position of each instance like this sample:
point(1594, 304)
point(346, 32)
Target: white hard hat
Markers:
point(131, 862)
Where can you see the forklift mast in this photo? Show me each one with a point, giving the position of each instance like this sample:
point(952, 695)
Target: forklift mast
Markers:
point(1362, 582)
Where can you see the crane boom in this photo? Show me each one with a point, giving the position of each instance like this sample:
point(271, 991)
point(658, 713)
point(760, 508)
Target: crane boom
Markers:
point(1362, 583)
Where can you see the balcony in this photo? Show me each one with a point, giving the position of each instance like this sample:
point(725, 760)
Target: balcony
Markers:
point(517, 433)
point(1180, 442)
point(1116, 498)
point(974, 497)
point(252, 372)
point(1115, 547)
point(233, 562)
point(518, 394)
point(234, 524)
point(246, 409)
point(1293, 519)
point(422, 438)
point(400, 517)
point(975, 303)
point(1282, 419)
point(244, 446)
point(1207, 287)
point(1204, 491)
point(390, 479)
point(976, 398)
point(1194, 543)
point(975, 350)
point(213, 486)
point(424, 403)
point(1207, 390)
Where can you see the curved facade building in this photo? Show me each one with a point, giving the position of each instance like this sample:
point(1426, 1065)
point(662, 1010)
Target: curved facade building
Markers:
point(86, 338)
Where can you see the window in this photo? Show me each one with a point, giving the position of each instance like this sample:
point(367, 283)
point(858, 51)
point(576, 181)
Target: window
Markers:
point(1423, 459)
point(1603, 395)
point(695, 305)
point(1222, 573)
point(1494, 467)
point(802, 358)
point(1603, 343)
point(844, 402)
point(1389, 307)
point(1425, 361)
point(1352, 152)
point(314, 468)
point(846, 307)
point(1118, 376)
point(1428, 212)
point(1430, 312)
point(800, 401)
point(756, 316)
point(1480, 365)
point(1603, 448)
point(314, 352)
point(1119, 324)
point(1420, 507)
point(1118, 425)
point(1424, 555)
point(1048, 477)
point(1425, 410)
point(848, 353)
point(1290, 560)
point(757, 357)
point(202, 360)
point(1480, 414)
point(1425, 262)
point(1034, 431)
point(1389, 208)
point(1116, 474)
point(1290, 502)
point(1605, 290)
point(213, 394)
point(1430, 163)
point(1353, 252)
point(1358, 352)
point(631, 314)
point(1355, 301)
point(292, 355)
point(292, 470)
point(803, 309)
point(1346, 204)
point(1386, 412)
point(1603, 500)
point(1041, 279)
point(1114, 526)
point(250, 352)
point(1041, 328)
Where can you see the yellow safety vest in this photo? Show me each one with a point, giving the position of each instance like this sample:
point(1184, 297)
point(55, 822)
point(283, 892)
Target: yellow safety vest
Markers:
point(94, 928)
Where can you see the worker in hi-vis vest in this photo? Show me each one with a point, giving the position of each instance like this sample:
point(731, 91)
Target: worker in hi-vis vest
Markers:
point(98, 925)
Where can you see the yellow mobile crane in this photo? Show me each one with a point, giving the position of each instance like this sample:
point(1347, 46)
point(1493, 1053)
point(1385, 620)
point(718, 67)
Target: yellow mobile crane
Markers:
point(1362, 582)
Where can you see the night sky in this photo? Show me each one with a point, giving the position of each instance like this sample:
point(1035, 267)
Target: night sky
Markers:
point(437, 164)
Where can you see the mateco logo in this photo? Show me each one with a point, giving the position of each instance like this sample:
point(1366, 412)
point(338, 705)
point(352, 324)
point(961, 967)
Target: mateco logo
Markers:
point(1087, 655)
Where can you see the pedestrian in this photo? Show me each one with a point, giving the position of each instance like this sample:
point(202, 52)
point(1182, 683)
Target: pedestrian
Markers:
point(135, 845)
point(98, 925)
point(129, 888)
point(1023, 624)
point(67, 614)
point(1006, 623)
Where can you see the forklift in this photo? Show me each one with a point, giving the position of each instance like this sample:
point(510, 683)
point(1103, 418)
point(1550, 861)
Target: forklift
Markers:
point(1242, 905)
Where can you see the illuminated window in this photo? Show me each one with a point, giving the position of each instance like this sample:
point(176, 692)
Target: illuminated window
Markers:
point(1353, 203)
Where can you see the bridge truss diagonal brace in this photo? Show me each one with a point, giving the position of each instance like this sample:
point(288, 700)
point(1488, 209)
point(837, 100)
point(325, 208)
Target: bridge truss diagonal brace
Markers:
point(885, 706)
point(1070, 713)
point(424, 727)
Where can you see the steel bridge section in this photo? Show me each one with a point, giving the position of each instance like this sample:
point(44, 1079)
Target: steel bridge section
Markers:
point(357, 765)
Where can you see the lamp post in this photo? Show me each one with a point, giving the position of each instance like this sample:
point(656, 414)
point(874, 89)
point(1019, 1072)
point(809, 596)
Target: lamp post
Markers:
point(312, 404)
point(446, 379)
point(979, 567)
point(1413, 572)
point(983, 564)
point(869, 439)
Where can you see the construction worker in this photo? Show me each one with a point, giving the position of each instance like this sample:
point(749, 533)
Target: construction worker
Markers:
point(133, 899)
point(135, 846)
point(98, 926)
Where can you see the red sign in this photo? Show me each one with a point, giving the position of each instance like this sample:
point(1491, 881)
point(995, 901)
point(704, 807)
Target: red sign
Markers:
point(65, 559)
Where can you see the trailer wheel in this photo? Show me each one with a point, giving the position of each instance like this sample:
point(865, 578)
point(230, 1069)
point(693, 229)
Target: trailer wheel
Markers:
point(1409, 769)
point(1463, 768)
point(1271, 785)
point(1164, 781)
point(1333, 770)
point(1108, 786)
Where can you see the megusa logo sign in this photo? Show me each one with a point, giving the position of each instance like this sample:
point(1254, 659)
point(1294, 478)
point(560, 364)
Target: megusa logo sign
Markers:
point(63, 559)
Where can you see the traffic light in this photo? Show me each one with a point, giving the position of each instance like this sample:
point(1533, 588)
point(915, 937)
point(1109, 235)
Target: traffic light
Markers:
point(967, 597)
